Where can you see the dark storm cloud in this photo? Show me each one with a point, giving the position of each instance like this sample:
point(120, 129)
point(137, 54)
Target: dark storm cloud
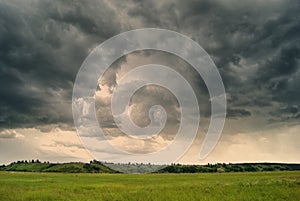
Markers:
point(255, 45)
point(43, 44)
point(91, 17)
point(285, 114)
point(236, 113)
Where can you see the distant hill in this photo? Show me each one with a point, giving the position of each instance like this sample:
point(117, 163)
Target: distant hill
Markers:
point(74, 167)
point(135, 167)
point(237, 167)
point(102, 167)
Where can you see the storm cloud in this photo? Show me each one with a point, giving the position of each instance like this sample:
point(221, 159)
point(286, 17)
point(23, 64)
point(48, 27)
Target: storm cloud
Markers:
point(254, 44)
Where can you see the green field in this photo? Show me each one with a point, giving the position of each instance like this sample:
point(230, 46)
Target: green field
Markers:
point(201, 186)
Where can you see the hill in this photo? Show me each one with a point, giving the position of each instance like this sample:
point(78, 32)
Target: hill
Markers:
point(237, 167)
point(73, 167)
point(103, 167)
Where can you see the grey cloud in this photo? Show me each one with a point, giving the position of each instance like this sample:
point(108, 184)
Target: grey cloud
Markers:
point(254, 43)
point(46, 128)
point(285, 114)
point(264, 34)
point(236, 113)
point(91, 17)
point(43, 43)
point(148, 96)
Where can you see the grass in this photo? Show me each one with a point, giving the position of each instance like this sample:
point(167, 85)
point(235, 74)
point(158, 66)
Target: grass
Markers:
point(204, 186)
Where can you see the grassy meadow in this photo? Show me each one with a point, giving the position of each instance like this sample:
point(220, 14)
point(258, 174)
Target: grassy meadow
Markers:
point(284, 185)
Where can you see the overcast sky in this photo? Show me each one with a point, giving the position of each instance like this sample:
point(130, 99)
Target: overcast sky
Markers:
point(255, 45)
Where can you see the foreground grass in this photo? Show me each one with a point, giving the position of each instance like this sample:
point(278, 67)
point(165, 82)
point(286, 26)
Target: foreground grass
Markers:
point(203, 186)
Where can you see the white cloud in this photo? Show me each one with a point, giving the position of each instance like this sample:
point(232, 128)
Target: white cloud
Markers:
point(10, 134)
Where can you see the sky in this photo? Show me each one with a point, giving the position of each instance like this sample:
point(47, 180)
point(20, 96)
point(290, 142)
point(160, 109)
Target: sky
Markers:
point(254, 44)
